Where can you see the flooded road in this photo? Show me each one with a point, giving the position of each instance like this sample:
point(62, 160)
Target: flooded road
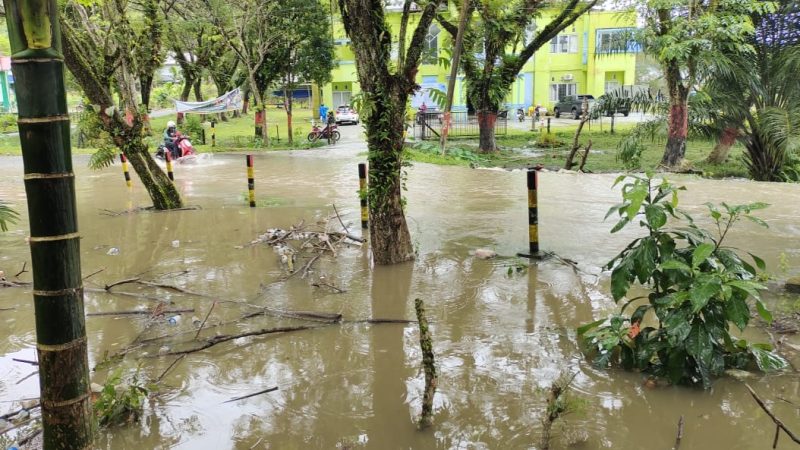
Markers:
point(499, 339)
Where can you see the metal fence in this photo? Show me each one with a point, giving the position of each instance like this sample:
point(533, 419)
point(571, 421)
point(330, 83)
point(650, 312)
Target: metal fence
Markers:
point(428, 125)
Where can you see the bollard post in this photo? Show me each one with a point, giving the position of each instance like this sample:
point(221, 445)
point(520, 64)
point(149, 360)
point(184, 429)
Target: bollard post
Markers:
point(125, 169)
point(362, 193)
point(548, 125)
point(168, 156)
point(203, 135)
point(213, 133)
point(251, 182)
point(533, 211)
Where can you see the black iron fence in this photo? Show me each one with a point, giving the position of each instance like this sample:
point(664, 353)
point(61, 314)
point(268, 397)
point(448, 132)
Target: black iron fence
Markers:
point(428, 125)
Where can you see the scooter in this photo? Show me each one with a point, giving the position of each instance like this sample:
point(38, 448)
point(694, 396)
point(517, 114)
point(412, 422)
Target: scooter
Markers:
point(520, 114)
point(184, 151)
point(323, 133)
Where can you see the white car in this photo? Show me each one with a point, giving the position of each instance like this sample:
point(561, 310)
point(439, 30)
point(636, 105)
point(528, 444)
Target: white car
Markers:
point(346, 114)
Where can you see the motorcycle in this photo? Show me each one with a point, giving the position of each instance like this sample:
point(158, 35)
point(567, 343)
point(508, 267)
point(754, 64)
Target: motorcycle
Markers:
point(184, 151)
point(323, 133)
point(520, 114)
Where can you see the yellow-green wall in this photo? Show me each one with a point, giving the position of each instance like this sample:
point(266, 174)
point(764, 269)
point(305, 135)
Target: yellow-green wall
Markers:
point(590, 72)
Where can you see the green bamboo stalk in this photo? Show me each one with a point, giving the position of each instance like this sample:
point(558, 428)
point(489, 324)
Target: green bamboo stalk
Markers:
point(43, 123)
point(428, 365)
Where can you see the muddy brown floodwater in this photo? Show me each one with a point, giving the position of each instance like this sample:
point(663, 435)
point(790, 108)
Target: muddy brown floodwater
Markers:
point(498, 339)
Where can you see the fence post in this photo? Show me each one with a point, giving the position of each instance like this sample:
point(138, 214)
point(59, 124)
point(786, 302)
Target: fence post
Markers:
point(548, 125)
point(251, 182)
point(362, 193)
point(213, 133)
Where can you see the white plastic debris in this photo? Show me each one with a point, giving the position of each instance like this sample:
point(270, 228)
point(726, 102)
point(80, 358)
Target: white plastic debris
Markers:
point(113, 251)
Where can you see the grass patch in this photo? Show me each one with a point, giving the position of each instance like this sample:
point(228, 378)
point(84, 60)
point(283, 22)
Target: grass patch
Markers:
point(518, 149)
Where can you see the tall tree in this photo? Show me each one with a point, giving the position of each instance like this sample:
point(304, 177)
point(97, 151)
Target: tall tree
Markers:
point(386, 88)
point(248, 29)
point(44, 131)
point(306, 51)
point(97, 42)
point(689, 38)
point(759, 94)
point(149, 50)
point(498, 42)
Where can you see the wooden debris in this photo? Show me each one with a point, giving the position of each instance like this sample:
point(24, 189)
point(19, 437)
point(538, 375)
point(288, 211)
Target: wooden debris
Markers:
point(778, 424)
point(428, 364)
point(140, 312)
point(272, 389)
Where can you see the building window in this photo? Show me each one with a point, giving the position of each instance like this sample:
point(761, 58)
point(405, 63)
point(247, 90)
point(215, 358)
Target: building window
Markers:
point(430, 51)
point(564, 44)
point(616, 40)
point(561, 90)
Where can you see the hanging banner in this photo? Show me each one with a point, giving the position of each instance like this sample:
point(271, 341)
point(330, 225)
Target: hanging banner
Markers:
point(231, 101)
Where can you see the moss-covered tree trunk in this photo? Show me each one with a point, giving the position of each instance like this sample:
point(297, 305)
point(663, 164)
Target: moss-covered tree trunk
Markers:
point(95, 79)
point(55, 242)
point(389, 235)
point(386, 93)
point(677, 117)
point(726, 140)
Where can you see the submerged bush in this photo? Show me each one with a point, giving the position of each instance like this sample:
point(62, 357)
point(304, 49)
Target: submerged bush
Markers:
point(697, 288)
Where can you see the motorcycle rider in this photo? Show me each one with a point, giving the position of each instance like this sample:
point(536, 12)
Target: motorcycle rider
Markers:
point(170, 138)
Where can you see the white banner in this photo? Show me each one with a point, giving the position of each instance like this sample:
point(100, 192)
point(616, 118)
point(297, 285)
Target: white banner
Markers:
point(231, 101)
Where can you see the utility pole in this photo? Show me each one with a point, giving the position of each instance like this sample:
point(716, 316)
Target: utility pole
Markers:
point(451, 83)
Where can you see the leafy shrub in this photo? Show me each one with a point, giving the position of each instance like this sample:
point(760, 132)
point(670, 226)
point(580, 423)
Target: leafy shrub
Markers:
point(163, 96)
point(8, 123)
point(119, 402)
point(192, 127)
point(697, 287)
point(548, 140)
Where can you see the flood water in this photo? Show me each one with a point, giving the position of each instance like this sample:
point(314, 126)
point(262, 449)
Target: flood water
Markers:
point(499, 340)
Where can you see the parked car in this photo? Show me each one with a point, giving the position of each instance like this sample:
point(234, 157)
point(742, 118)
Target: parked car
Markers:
point(572, 104)
point(346, 114)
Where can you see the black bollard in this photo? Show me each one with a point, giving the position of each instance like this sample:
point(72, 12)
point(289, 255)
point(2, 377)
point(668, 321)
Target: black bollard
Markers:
point(548, 125)
point(125, 169)
point(168, 155)
point(213, 133)
point(362, 193)
point(251, 182)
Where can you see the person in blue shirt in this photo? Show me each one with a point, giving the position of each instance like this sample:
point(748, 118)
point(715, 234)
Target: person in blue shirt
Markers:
point(323, 113)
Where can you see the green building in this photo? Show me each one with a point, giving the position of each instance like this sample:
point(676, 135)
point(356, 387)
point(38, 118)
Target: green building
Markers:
point(573, 63)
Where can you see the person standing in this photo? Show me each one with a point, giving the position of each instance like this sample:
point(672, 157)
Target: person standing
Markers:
point(323, 113)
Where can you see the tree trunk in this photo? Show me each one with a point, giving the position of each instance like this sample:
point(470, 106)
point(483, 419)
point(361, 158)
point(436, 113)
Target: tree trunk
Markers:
point(677, 120)
point(720, 152)
point(487, 119)
point(146, 84)
point(198, 92)
point(389, 236)
point(287, 102)
point(44, 132)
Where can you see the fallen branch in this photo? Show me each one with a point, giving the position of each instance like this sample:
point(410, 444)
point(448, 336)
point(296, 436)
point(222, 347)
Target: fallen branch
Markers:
point(164, 373)
point(125, 281)
point(125, 294)
point(170, 287)
point(24, 264)
point(7, 309)
point(265, 391)
point(140, 312)
point(93, 274)
point(205, 319)
point(585, 155)
point(680, 434)
point(344, 227)
point(33, 363)
point(320, 284)
point(431, 380)
point(214, 340)
point(27, 376)
point(6, 283)
point(778, 424)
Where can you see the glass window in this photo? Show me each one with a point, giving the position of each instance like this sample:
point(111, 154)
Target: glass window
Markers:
point(430, 52)
point(561, 90)
point(564, 44)
point(616, 40)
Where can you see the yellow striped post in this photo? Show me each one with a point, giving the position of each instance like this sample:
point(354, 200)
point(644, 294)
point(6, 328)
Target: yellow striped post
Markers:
point(168, 155)
point(251, 182)
point(213, 133)
point(362, 193)
point(125, 169)
point(533, 211)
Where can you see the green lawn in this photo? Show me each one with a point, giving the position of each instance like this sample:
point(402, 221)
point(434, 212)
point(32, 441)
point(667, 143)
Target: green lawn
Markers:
point(233, 135)
point(518, 149)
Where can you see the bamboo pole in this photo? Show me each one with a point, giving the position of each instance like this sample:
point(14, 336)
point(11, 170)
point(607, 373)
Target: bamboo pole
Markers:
point(38, 65)
point(451, 84)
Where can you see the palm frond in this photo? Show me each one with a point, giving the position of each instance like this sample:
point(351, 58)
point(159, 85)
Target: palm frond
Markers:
point(7, 216)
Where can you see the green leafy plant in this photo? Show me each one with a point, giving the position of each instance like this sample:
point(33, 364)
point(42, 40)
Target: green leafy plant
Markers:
point(8, 123)
point(192, 127)
point(7, 216)
point(697, 289)
point(120, 402)
point(548, 140)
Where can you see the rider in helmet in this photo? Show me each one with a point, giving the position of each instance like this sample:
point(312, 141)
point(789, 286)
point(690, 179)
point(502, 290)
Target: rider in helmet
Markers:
point(170, 135)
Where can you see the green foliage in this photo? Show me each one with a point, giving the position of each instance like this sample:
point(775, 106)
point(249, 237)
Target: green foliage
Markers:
point(120, 402)
point(163, 96)
point(453, 152)
point(7, 216)
point(192, 127)
point(697, 288)
point(548, 140)
point(8, 123)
